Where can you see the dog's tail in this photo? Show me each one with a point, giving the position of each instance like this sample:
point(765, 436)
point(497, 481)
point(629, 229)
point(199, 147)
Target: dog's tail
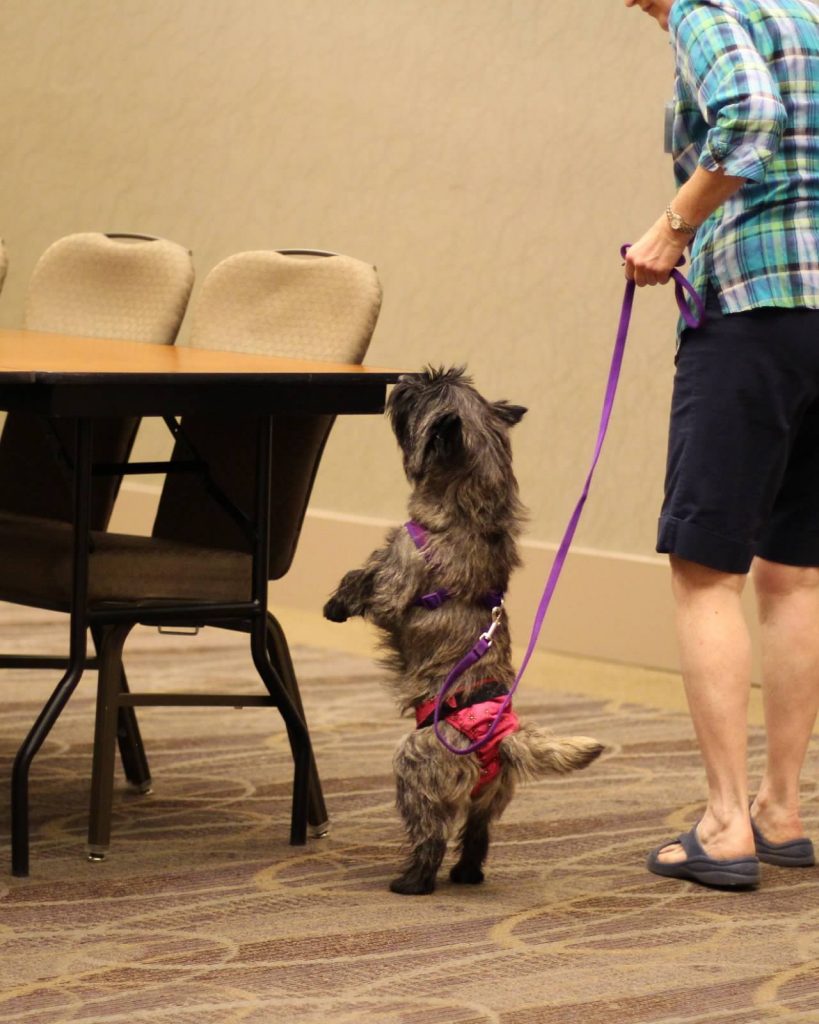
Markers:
point(531, 752)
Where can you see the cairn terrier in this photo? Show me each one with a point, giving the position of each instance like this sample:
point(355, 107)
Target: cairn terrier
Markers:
point(433, 589)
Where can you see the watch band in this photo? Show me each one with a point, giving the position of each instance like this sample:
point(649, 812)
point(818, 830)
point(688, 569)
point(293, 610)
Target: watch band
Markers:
point(678, 223)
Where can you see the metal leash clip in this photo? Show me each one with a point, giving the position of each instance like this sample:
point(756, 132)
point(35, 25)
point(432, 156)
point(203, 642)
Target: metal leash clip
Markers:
point(497, 615)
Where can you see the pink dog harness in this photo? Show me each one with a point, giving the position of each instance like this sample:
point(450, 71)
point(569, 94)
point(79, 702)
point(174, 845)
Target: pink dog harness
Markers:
point(474, 721)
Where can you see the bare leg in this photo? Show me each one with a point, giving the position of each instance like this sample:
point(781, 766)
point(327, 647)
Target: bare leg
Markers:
point(715, 653)
point(788, 602)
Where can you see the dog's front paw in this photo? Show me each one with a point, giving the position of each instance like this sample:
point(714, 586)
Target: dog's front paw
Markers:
point(336, 610)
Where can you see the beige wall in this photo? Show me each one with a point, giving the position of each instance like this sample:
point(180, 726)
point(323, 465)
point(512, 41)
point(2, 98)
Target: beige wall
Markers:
point(489, 156)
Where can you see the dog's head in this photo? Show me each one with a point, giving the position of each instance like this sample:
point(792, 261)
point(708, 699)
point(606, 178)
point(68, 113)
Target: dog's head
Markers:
point(446, 429)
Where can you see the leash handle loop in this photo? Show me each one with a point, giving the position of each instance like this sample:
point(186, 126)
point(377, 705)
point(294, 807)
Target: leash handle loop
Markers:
point(693, 320)
point(681, 286)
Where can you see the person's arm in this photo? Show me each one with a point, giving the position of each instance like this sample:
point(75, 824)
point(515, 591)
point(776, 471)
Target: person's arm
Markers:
point(739, 100)
point(651, 259)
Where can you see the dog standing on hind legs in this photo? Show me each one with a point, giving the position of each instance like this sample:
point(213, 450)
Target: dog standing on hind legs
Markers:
point(432, 589)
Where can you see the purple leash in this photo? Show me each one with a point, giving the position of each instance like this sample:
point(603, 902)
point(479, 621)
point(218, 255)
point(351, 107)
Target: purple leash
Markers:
point(484, 642)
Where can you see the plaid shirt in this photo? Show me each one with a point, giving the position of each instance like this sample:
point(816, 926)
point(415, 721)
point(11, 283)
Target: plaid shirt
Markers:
point(747, 100)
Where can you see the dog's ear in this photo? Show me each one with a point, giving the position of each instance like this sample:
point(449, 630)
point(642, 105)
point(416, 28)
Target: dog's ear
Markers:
point(510, 414)
point(445, 436)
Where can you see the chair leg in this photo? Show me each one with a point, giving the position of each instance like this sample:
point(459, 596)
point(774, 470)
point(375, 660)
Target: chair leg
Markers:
point(302, 756)
point(296, 731)
point(131, 750)
point(279, 653)
point(112, 640)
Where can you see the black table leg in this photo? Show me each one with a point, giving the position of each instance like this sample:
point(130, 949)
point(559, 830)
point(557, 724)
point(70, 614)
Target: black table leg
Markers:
point(77, 652)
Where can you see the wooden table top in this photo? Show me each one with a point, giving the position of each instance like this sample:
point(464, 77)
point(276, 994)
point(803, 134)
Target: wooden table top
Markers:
point(35, 353)
point(64, 375)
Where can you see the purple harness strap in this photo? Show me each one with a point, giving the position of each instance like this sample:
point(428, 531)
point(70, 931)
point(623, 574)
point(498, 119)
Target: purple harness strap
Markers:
point(436, 598)
point(484, 642)
point(420, 538)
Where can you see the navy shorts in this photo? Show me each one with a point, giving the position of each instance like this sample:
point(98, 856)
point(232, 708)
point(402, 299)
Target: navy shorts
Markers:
point(742, 477)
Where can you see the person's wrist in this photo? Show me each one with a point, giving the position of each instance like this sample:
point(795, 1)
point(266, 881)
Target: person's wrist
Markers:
point(675, 240)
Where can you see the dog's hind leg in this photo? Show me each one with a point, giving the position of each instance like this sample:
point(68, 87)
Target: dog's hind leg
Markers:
point(425, 822)
point(473, 841)
point(431, 784)
point(421, 872)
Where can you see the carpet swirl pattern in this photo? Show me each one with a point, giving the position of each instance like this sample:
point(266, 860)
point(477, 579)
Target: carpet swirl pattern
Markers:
point(203, 914)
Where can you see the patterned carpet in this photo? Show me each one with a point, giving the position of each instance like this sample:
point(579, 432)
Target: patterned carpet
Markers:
point(203, 914)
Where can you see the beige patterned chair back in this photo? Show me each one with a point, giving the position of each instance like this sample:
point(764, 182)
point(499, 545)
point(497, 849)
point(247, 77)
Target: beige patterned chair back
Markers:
point(298, 304)
point(111, 286)
point(93, 285)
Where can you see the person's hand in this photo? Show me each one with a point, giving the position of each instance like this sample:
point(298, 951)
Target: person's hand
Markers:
point(651, 259)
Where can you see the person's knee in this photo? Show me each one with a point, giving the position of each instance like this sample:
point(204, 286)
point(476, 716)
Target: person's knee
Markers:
point(690, 578)
point(774, 580)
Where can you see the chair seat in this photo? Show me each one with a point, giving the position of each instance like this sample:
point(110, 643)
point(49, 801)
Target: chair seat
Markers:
point(36, 560)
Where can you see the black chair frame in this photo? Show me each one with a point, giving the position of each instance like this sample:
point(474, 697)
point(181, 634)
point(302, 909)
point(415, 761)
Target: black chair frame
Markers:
point(110, 626)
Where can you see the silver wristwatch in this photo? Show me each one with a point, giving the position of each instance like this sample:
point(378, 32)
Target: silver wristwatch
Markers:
point(678, 223)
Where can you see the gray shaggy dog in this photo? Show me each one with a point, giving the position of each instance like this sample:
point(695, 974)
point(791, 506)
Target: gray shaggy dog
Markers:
point(431, 590)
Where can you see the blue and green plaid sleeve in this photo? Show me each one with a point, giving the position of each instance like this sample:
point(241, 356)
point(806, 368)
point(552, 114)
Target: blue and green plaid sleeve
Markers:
point(735, 92)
